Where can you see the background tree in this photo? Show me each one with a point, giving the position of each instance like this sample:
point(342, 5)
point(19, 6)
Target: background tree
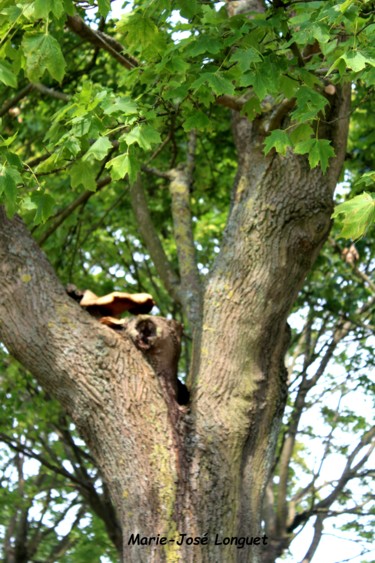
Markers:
point(122, 171)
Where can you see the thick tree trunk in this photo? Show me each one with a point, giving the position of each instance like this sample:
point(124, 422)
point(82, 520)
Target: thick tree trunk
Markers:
point(279, 220)
point(200, 471)
point(238, 393)
point(100, 377)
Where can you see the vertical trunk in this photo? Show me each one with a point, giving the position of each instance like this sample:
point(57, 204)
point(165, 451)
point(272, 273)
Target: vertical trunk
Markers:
point(239, 388)
point(279, 219)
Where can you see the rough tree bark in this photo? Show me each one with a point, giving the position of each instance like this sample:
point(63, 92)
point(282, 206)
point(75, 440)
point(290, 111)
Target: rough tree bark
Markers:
point(200, 469)
point(169, 469)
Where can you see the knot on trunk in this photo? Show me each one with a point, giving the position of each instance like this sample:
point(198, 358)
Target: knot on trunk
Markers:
point(159, 339)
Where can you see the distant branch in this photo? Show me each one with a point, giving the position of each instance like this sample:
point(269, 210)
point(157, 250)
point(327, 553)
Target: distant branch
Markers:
point(50, 92)
point(152, 241)
point(13, 101)
point(179, 187)
point(25, 450)
point(231, 102)
point(341, 331)
point(26, 90)
point(353, 266)
point(101, 40)
point(69, 209)
point(350, 472)
point(318, 531)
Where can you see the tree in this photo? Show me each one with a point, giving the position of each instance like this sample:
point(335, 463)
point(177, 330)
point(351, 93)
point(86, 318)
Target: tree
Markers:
point(132, 149)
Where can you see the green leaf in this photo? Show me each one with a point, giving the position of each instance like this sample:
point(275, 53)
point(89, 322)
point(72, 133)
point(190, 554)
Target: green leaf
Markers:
point(261, 85)
point(8, 141)
point(202, 45)
point(309, 104)
point(198, 120)
point(319, 151)
point(9, 178)
point(99, 149)
point(358, 215)
point(122, 165)
point(142, 33)
point(367, 179)
point(104, 7)
point(251, 108)
point(42, 53)
point(245, 58)
point(81, 173)
point(7, 76)
point(219, 84)
point(213, 17)
point(304, 147)
point(320, 33)
point(43, 7)
point(288, 86)
point(278, 140)
point(124, 106)
point(259, 80)
point(355, 60)
point(345, 5)
point(188, 8)
point(44, 206)
point(144, 135)
point(301, 133)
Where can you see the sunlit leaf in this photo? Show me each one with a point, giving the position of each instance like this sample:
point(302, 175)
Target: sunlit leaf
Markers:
point(44, 206)
point(278, 140)
point(356, 215)
point(7, 76)
point(43, 52)
point(99, 149)
point(82, 173)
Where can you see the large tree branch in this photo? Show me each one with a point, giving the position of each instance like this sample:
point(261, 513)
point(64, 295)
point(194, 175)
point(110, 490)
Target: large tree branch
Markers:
point(279, 220)
point(100, 377)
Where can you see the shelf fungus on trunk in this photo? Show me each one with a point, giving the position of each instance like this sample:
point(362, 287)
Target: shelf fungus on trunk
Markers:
point(159, 339)
point(117, 302)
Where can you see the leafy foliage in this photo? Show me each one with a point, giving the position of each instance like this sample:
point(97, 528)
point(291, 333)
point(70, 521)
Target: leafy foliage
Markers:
point(358, 213)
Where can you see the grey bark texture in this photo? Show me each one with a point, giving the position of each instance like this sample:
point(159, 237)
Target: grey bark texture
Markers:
point(200, 469)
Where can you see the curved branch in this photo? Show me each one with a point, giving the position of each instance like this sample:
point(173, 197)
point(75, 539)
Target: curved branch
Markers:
point(191, 288)
point(56, 469)
point(101, 40)
point(318, 532)
point(152, 241)
point(50, 92)
point(13, 101)
point(349, 473)
point(99, 376)
point(69, 209)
